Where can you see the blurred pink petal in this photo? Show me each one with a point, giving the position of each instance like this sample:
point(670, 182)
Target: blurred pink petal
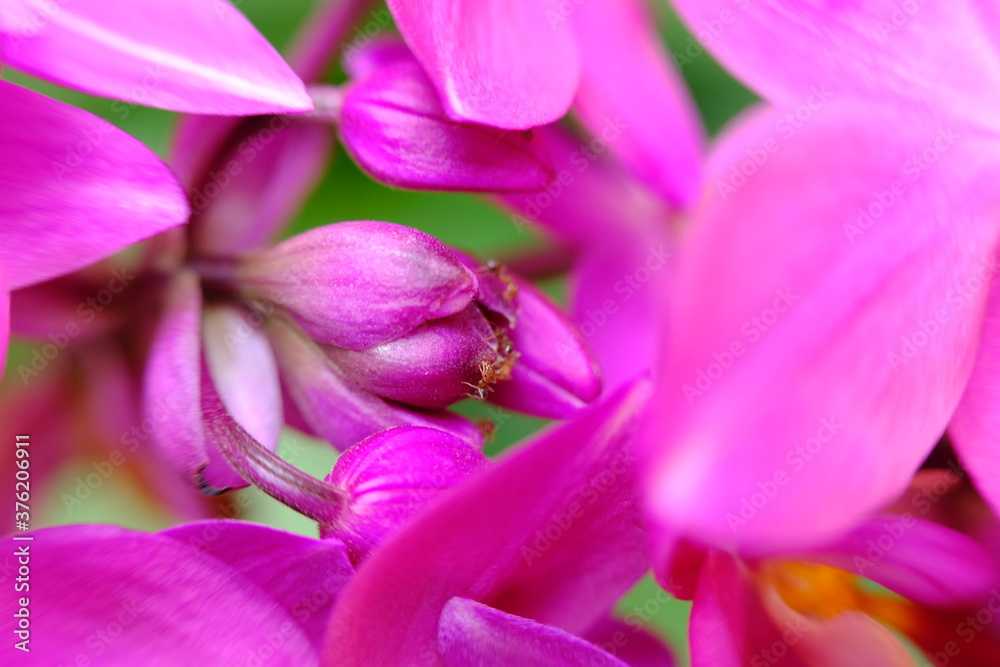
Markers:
point(799, 53)
point(256, 188)
point(76, 189)
point(4, 319)
point(437, 364)
point(799, 366)
point(975, 426)
point(471, 633)
point(629, 643)
point(358, 284)
point(243, 369)
point(592, 200)
point(920, 560)
point(335, 409)
point(395, 128)
point(497, 63)
point(392, 475)
point(554, 374)
point(189, 55)
point(551, 534)
point(632, 97)
point(211, 591)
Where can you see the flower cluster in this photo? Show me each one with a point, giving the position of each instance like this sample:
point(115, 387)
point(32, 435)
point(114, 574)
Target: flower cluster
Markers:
point(773, 380)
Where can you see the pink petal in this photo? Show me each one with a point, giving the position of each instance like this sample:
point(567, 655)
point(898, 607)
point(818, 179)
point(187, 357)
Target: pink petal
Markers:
point(4, 319)
point(633, 99)
point(493, 62)
point(254, 191)
point(471, 633)
point(117, 596)
point(337, 410)
point(618, 295)
point(592, 200)
point(633, 645)
point(849, 638)
point(172, 382)
point(243, 369)
point(920, 560)
point(358, 284)
point(392, 475)
point(975, 428)
point(190, 56)
point(801, 53)
point(395, 128)
point(555, 373)
point(550, 534)
point(818, 350)
point(728, 622)
point(76, 189)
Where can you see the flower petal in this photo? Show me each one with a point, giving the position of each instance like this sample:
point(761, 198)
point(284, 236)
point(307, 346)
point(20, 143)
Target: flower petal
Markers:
point(437, 364)
point(118, 596)
point(4, 319)
point(250, 193)
point(918, 559)
point(471, 633)
point(555, 374)
point(242, 368)
point(641, 648)
point(392, 475)
point(550, 534)
point(632, 97)
point(495, 62)
point(335, 409)
point(799, 361)
point(395, 128)
point(189, 56)
point(75, 188)
point(975, 428)
point(877, 50)
point(358, 284)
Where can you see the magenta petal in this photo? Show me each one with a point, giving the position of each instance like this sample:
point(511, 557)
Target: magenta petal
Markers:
point(4, 319)
point(172, 383)
point(873, 49)
point(437, 364)
point(395, 128)
point(338, 411)
point(593, 199)
point(491, 540)
point(75, 188)
point(358, 284)
point(117, 596)
point(497, 62)
point(243, 370)
point(189, 55)
point(471, 633)
point(793, 369)
point(252, 192)
point(630, 643)
point(975, 426)
point(921, 560)
point(632, 97)
point(555, 373)
point(307, 580)
point(390, 476)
